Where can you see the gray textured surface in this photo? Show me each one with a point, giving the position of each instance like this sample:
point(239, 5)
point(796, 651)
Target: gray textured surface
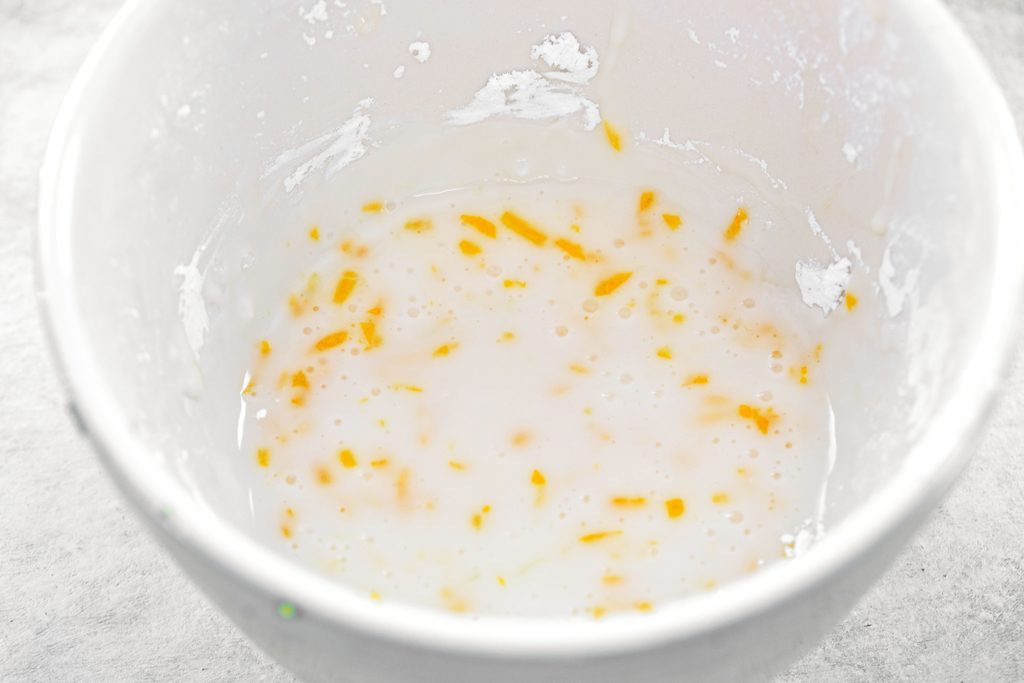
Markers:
point(86, 595)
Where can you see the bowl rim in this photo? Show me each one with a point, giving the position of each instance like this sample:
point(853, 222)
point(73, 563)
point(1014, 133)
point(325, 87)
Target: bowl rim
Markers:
point(936, 458)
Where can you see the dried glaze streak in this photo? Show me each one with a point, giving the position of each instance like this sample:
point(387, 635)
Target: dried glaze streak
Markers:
point(611, 283)
point(739, 221)
point(480, 224)
point(523, 228)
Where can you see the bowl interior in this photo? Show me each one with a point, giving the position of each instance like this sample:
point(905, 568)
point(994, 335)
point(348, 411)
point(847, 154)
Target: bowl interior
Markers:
point(212, 135)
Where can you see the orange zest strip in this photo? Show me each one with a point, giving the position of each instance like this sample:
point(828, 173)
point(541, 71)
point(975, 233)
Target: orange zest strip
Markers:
point(851, 301)
point(469, 248)
point(720, 498)
point(629, 502)
point(614, 139)
point(537, 478)
point(263, 457)
point(738, 221)
point(672, 220)
point(419, 224)
point(314, 234)
point(373, 207)
point(383, 462)
point(330, 341)
point(444, 349)
point(265, 348)
point(610, 284)
point(481, 224)
point(674, 508)
point(523, 228)
point(664, 352)
point(345, 286)
point(571, 248)
point(347, 458)
point(509, 284)
point(646, 201)
point(695, 380)
point(299, 380)
point(762, 419)
point(598, 536)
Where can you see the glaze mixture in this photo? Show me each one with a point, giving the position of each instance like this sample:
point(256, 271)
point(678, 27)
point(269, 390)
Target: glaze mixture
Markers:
point(542, 398)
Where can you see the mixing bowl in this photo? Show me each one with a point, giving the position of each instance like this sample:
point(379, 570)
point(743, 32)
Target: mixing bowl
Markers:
point(199, 139)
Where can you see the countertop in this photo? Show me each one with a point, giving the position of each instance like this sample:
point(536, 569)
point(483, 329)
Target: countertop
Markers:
point(86, 595)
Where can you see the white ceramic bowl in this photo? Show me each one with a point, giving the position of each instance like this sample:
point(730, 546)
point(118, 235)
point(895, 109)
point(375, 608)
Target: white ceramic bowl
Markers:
point(163, 182)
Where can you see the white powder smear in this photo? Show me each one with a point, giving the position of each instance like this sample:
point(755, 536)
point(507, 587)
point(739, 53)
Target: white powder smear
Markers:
point(535, 95)
point(823, 286)
point(399, 71)
point(191, 305)
point(895, 295)
point(331, 151)
point(420, 51)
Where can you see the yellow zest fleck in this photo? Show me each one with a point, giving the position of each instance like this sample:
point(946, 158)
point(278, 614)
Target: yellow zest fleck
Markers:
point(478, 519)
point(265, 348)
point(481, 224)
point(407, 387)
point(347, 458)
point(575, 228)
point(762, 419)
point(571, 248)
point(402, 485)
point(599, 536)
point(314, 234)
point(375, 596)
point(738, 221)
point(610, 284)
point(507, 336)
point(537, 478)
point(642, 606)
point(376, 310)
point(521, 438)
point(611, 579)
point(370, 335)
point(629, 502)
point(523, 228)
point(419, 225)
point(323, 476)
point(578, 368)
point(646, 201)
point(456, 465)
point(598, 612)
point(695, 380)
point(444, 350)
point(296, 305)
point(345, 286)
point(661, 281)
point(614, 139)
point(509, 284)
point(501, 580)
point(373, 207)
point(741, 471)
point(286, 531)
point(452, 601)
point(299, 400)
point(720, 498)
point(672, 220)
point(263, 457)
point(469, 248)
point(249, 386)
point(674, 508)
point(665, 352)
point(851, 301)
point(299, 379)
point(330, 341)
point(382, 462)
point(679, 318)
